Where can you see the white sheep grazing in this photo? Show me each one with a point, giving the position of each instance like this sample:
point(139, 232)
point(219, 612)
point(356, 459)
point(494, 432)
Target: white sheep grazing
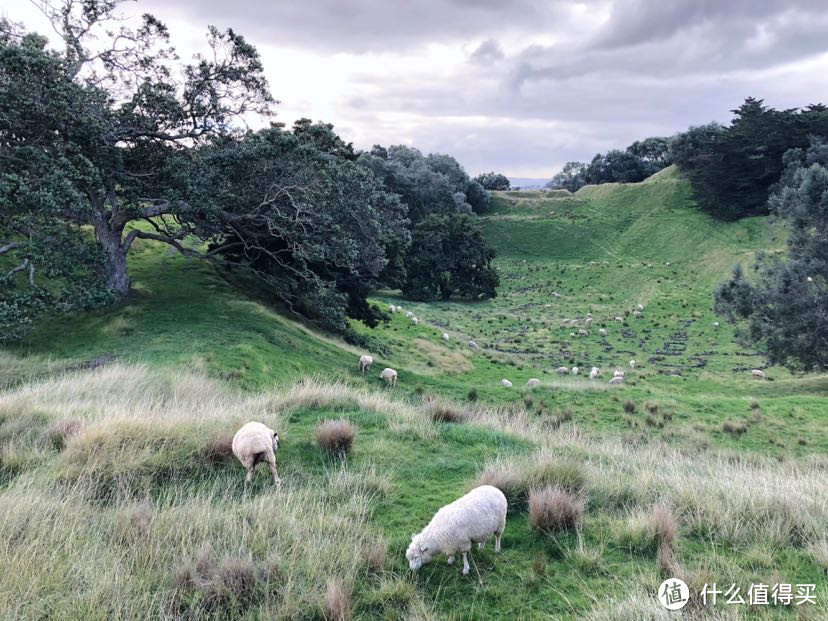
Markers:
point(505, 383)
point(588, 320)
point(640, 307)
point(618, 379)
point(715, 324)
point(472, 518)
point(621, 319)
point(255, 443)
point(365, 363)
point(758, 373)
point(563, 370)
point(445, 337)
point(533, 383)
point(415, 321)
point(636, 313)
point(594, 373)
point(602, 332)
point(583, 332)
point(473, 345)
point(390, 376)
point(392, 308)
point(575, 370)
point(572, 335)
point(632, 364)
point(589, 315)
point(409, 314)
point(618, 373)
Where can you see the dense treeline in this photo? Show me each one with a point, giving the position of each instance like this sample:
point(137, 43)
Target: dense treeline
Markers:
point(101, 148)
point(785, 302)
point(733, 168)
point(635, 163)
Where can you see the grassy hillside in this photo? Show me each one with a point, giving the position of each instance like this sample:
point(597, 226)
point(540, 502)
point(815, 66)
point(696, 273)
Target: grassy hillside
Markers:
point(118, 478)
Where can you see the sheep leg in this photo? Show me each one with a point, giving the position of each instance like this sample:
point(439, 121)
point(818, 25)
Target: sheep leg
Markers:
point(271, 463)
point(249, 476)
point(451, 559)
point(497, 540)
point(465, 563)
point(480, 545)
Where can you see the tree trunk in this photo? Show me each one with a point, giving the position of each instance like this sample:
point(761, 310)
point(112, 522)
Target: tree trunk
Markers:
point(117, 276)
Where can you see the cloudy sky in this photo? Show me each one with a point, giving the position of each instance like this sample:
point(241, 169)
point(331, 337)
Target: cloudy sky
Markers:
point(519, 87)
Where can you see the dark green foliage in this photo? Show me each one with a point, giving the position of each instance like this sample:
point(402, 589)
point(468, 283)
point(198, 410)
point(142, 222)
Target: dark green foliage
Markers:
point(786, 304)
point(448, 256)
point(637, 162)
point(493, 181)
point(732, 169)
point(95, 141)
point(315, 228)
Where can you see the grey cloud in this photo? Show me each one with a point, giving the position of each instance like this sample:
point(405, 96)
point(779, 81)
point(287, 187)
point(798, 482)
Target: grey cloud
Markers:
point(487, 53)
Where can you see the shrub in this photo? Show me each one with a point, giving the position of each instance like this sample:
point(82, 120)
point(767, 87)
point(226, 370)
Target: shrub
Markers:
point(335, 436)
point(56, 434)
point(231, 586)
point(553, 509)
point(338, 600)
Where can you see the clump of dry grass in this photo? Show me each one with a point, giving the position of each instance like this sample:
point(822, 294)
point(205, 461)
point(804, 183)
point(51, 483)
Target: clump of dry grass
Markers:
point(375, 553)
point(56, 435)
point(219, 448)
point(335, 436)
point(516, 477)
point(338, 604)
point(133, 522)
point(443, 412)
point(629, 406)
point(230, 585)
point(736, 428)
point(553, 509)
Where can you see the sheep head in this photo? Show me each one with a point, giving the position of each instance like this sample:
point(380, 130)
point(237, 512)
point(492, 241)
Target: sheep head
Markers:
point(418, 553)
point(275, 441)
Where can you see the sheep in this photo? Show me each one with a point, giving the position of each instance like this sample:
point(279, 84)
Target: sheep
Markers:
point(563, 370)
point(445, 337)
point(409, 315)
point(589, 315)
point(472, 518)
point(588, 320)
point(621, 319)
point(572, 335)
point(365, 363)
point(583, 332)
point(809, 279)
point(390, 376)
point(639, 307)
point(632, 364)
point(415, 321)
point(575, 370)
point(618, 373)
point(473, 345)
point(618, 379)
point(758, 373)
point(602, 332)
point(255, 443)
point(533, 383)
point(594, 373)
point(392, 308)
point(505, 383)
point(636, 313)
point(715, 324)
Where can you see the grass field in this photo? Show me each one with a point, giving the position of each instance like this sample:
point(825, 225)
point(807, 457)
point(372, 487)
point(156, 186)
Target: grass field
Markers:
point(118, 479)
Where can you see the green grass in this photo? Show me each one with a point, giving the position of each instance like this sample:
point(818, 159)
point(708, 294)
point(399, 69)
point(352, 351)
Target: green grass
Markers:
point(746, 503)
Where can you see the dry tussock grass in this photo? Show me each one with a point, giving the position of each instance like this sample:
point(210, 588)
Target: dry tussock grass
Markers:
point(553, 509)
point(335, 437)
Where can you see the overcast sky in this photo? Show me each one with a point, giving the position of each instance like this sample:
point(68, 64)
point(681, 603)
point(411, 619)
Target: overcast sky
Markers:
point(519, 87)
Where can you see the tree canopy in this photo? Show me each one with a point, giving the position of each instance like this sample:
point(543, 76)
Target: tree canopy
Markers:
point(449, 255)
point(785, 306)
point(493, 181)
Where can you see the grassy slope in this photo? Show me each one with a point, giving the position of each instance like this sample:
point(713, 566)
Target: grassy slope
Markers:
point(545, 243)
